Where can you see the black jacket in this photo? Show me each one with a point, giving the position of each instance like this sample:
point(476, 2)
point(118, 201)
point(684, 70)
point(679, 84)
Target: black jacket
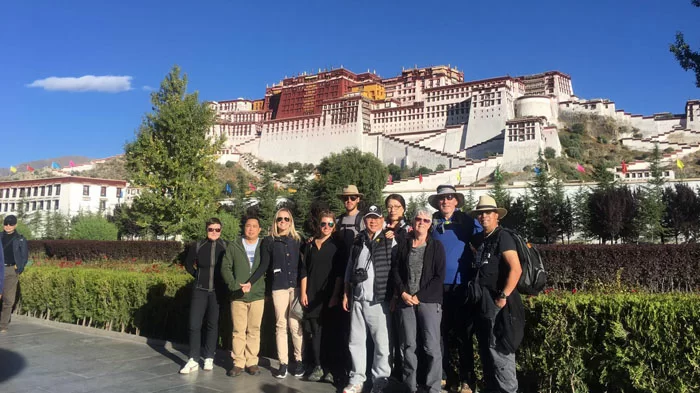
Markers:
point(380, 249)
point(433, 273)
point(280, 259)
point(205, 266)
point(20, 251)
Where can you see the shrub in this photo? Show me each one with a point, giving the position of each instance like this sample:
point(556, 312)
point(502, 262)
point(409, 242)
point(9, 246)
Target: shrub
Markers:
point(549, 153)
point(93, 227)
point(578, 128)
point(91, 250)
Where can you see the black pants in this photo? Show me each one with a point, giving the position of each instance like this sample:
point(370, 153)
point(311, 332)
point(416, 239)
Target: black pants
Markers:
point(314, 330)
point(203, 303)
point(458, 330)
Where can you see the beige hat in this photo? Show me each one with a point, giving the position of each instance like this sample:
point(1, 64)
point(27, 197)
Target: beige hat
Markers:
point(445, 189)
point(487, 203)
point(350, 190)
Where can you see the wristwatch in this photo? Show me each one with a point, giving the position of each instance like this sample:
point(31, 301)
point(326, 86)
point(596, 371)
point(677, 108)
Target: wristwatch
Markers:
point(502, 295)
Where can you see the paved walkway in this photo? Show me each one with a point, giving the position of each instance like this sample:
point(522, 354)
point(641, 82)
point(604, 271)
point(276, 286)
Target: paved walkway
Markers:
point(38, 356)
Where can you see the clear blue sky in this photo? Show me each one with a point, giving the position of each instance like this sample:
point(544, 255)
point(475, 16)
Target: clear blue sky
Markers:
point(229, 49)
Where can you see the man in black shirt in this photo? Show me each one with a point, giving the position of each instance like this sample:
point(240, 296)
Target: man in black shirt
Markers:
point(498, 275)
point(16, 254)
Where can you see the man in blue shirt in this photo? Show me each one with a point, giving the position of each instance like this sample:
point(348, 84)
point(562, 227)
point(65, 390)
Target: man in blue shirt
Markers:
point(458, 232)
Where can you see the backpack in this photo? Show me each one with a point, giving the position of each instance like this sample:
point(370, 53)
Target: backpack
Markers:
point(534, 277)
point(357, 225)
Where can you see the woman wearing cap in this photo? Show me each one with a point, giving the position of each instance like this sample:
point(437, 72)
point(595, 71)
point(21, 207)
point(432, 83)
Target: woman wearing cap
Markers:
point(322, 260)
point(498, 272)
point(280, 260)
point(418, 270)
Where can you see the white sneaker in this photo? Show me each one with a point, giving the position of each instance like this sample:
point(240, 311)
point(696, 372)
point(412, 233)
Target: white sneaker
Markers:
point(208, 364)
point(190, 366)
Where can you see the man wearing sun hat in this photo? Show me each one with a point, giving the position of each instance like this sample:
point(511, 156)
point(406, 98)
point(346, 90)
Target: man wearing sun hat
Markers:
point(500, 323)
point(351, 220)
point(457, 232)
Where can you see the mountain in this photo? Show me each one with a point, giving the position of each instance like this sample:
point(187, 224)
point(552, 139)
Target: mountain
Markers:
point(38, 164)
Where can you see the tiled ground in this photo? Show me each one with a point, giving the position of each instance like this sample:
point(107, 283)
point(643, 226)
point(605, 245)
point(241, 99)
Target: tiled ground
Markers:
point(42, 357)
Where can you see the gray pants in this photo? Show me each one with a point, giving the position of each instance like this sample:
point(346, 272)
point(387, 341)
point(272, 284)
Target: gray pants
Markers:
point(372, 317)
point(9, 294)
point(423, 319)
point(499, 368)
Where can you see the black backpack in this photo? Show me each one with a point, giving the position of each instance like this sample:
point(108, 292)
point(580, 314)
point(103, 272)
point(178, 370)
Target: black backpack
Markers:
point(534, 276)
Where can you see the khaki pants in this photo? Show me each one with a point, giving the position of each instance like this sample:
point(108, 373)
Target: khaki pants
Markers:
point(282, 300)
point(9, 295)
point(247, 318)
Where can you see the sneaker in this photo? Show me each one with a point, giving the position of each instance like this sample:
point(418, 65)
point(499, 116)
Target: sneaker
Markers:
point(234, 372)
point(353, 388)
point(281, 372)
point(328, 378)
point(298, 370)
point(208, 364)
point(253, 370)
point(3, 330)
point(190, 366)
point(316, 374)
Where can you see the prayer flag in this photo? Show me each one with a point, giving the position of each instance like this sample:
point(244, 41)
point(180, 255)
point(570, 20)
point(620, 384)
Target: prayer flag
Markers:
point(624, 168)
point(13, 169)
point(680, 164)
point(580, 168)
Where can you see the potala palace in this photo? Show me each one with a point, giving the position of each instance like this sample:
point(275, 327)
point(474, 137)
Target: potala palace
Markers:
point(430, 116)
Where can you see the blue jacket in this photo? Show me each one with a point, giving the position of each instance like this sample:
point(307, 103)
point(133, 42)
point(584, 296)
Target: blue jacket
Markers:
point(2, 270)
point(456, 235)
point(20, 250)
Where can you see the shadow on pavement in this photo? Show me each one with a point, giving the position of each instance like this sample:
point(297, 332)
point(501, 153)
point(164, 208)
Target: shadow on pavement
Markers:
point(11, 364)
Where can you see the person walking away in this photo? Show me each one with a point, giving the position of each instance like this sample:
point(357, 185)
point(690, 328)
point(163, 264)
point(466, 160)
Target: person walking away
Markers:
point(203, 261)
point(242, 258)
point(418, 272)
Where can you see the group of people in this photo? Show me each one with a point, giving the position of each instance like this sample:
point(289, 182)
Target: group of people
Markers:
point(413, 292)
point(13, 259)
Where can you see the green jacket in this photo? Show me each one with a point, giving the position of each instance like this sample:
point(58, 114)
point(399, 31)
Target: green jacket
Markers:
point(236, 270)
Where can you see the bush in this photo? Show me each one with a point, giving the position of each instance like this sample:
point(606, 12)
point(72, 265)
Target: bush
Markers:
point(93, 227)
point(578, 128)
point(652, 267)
point(93, 250)
point(549, 153)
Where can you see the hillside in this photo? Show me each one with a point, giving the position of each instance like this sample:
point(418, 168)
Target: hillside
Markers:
point(44, 163)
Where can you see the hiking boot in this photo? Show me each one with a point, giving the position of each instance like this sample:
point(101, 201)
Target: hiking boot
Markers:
point(234, 372)
point(253, 370)
point(298, 370)
point(190, 366)
point(316, 374)
point(353, 388)
point(281, 372)
point(328, 378)
point(208, 364)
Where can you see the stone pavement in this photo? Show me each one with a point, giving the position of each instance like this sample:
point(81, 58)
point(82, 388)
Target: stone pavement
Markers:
point(40, 356)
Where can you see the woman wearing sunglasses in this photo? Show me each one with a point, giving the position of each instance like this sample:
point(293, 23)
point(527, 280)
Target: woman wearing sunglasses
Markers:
point(418, 272)
point(204, 263)
point(324, 266)
point(280, 260)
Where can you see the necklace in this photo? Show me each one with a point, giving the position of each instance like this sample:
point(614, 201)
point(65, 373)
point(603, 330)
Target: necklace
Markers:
point(490, 233)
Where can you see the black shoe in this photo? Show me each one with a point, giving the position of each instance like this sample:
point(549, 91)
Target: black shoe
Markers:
point(234, 372)
point(298, 370)
point(281, 372)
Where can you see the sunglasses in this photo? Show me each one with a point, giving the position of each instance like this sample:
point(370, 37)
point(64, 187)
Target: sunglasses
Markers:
point(327, 224)
point(350, 197)
point(213, 229)
point(280, 219)
point(423, 220)
point(486, 212)
point(449, 197)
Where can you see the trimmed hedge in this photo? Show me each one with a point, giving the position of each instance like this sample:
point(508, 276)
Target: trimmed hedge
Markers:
point(91, 250)
point(576, 342)
point(653, 267)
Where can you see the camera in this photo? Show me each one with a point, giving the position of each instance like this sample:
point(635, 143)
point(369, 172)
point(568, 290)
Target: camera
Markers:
point(358, 276)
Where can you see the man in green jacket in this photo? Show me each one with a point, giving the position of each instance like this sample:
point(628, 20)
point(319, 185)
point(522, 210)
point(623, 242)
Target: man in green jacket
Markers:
point(242, 258)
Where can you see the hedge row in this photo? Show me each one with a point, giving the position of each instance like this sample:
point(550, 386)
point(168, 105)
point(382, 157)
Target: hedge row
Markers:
point(575, 342)
point(91, 250)
point(653, 267)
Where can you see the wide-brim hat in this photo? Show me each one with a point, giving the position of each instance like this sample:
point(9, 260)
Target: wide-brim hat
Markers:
point(445, 189)
point(487, 204)
point(350, 191)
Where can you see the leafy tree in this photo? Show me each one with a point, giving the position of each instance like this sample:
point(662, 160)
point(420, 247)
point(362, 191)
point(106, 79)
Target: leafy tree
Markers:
point(37, 223)
point(415, 204)
point(440, 167)
point(682, 214)
point(611, 212)
point(25, 230)
point(499, 193)
point(688, 59)
point(196, 229)
point(173, 160)
point(566, 220)
point(304, 220)
point(351, 166)
point(581, 213)
point(91, 226)
point(394, 171)
point(545, 224)
point(266, 195)
point(21, 209)
point(57, 226)
point(602, 176)
point(652, 205)
point(519, 216)
point(123, 217)
point(549, 153)
point(578, 128)
point(470, 200)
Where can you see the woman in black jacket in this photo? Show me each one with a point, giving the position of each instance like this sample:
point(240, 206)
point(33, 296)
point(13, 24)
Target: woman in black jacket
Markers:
point(204, 263)
point(418, 272)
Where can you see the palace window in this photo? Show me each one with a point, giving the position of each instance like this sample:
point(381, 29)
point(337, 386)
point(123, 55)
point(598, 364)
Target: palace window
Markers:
point(86, 190)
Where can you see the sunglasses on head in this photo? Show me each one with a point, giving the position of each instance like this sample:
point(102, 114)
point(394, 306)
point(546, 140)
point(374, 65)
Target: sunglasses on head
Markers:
point(328, 224)
point(280, 219)
point(213, 229)
point(449, 197)
point(423, 220)
point(350, 197)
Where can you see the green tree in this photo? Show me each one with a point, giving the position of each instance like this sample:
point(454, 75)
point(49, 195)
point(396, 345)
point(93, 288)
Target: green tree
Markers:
point(499, 193)
point(519, 217)
point(602, 176)
point(304, 220)
point(173, 159)
point(415, 204)
point(266, 195)
point(57, 226)
point(545, 224)
point(25, 230)
point(394, 171)
point(123, 218)
point(652, 206)
point(549, 153)
point(682, 214)
point(470, 201)
point(196, 229)
point(688, 58)
point(351, 166)
point(581, 213)
point(91, 226)
point(37, 222)
point(440, 167)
